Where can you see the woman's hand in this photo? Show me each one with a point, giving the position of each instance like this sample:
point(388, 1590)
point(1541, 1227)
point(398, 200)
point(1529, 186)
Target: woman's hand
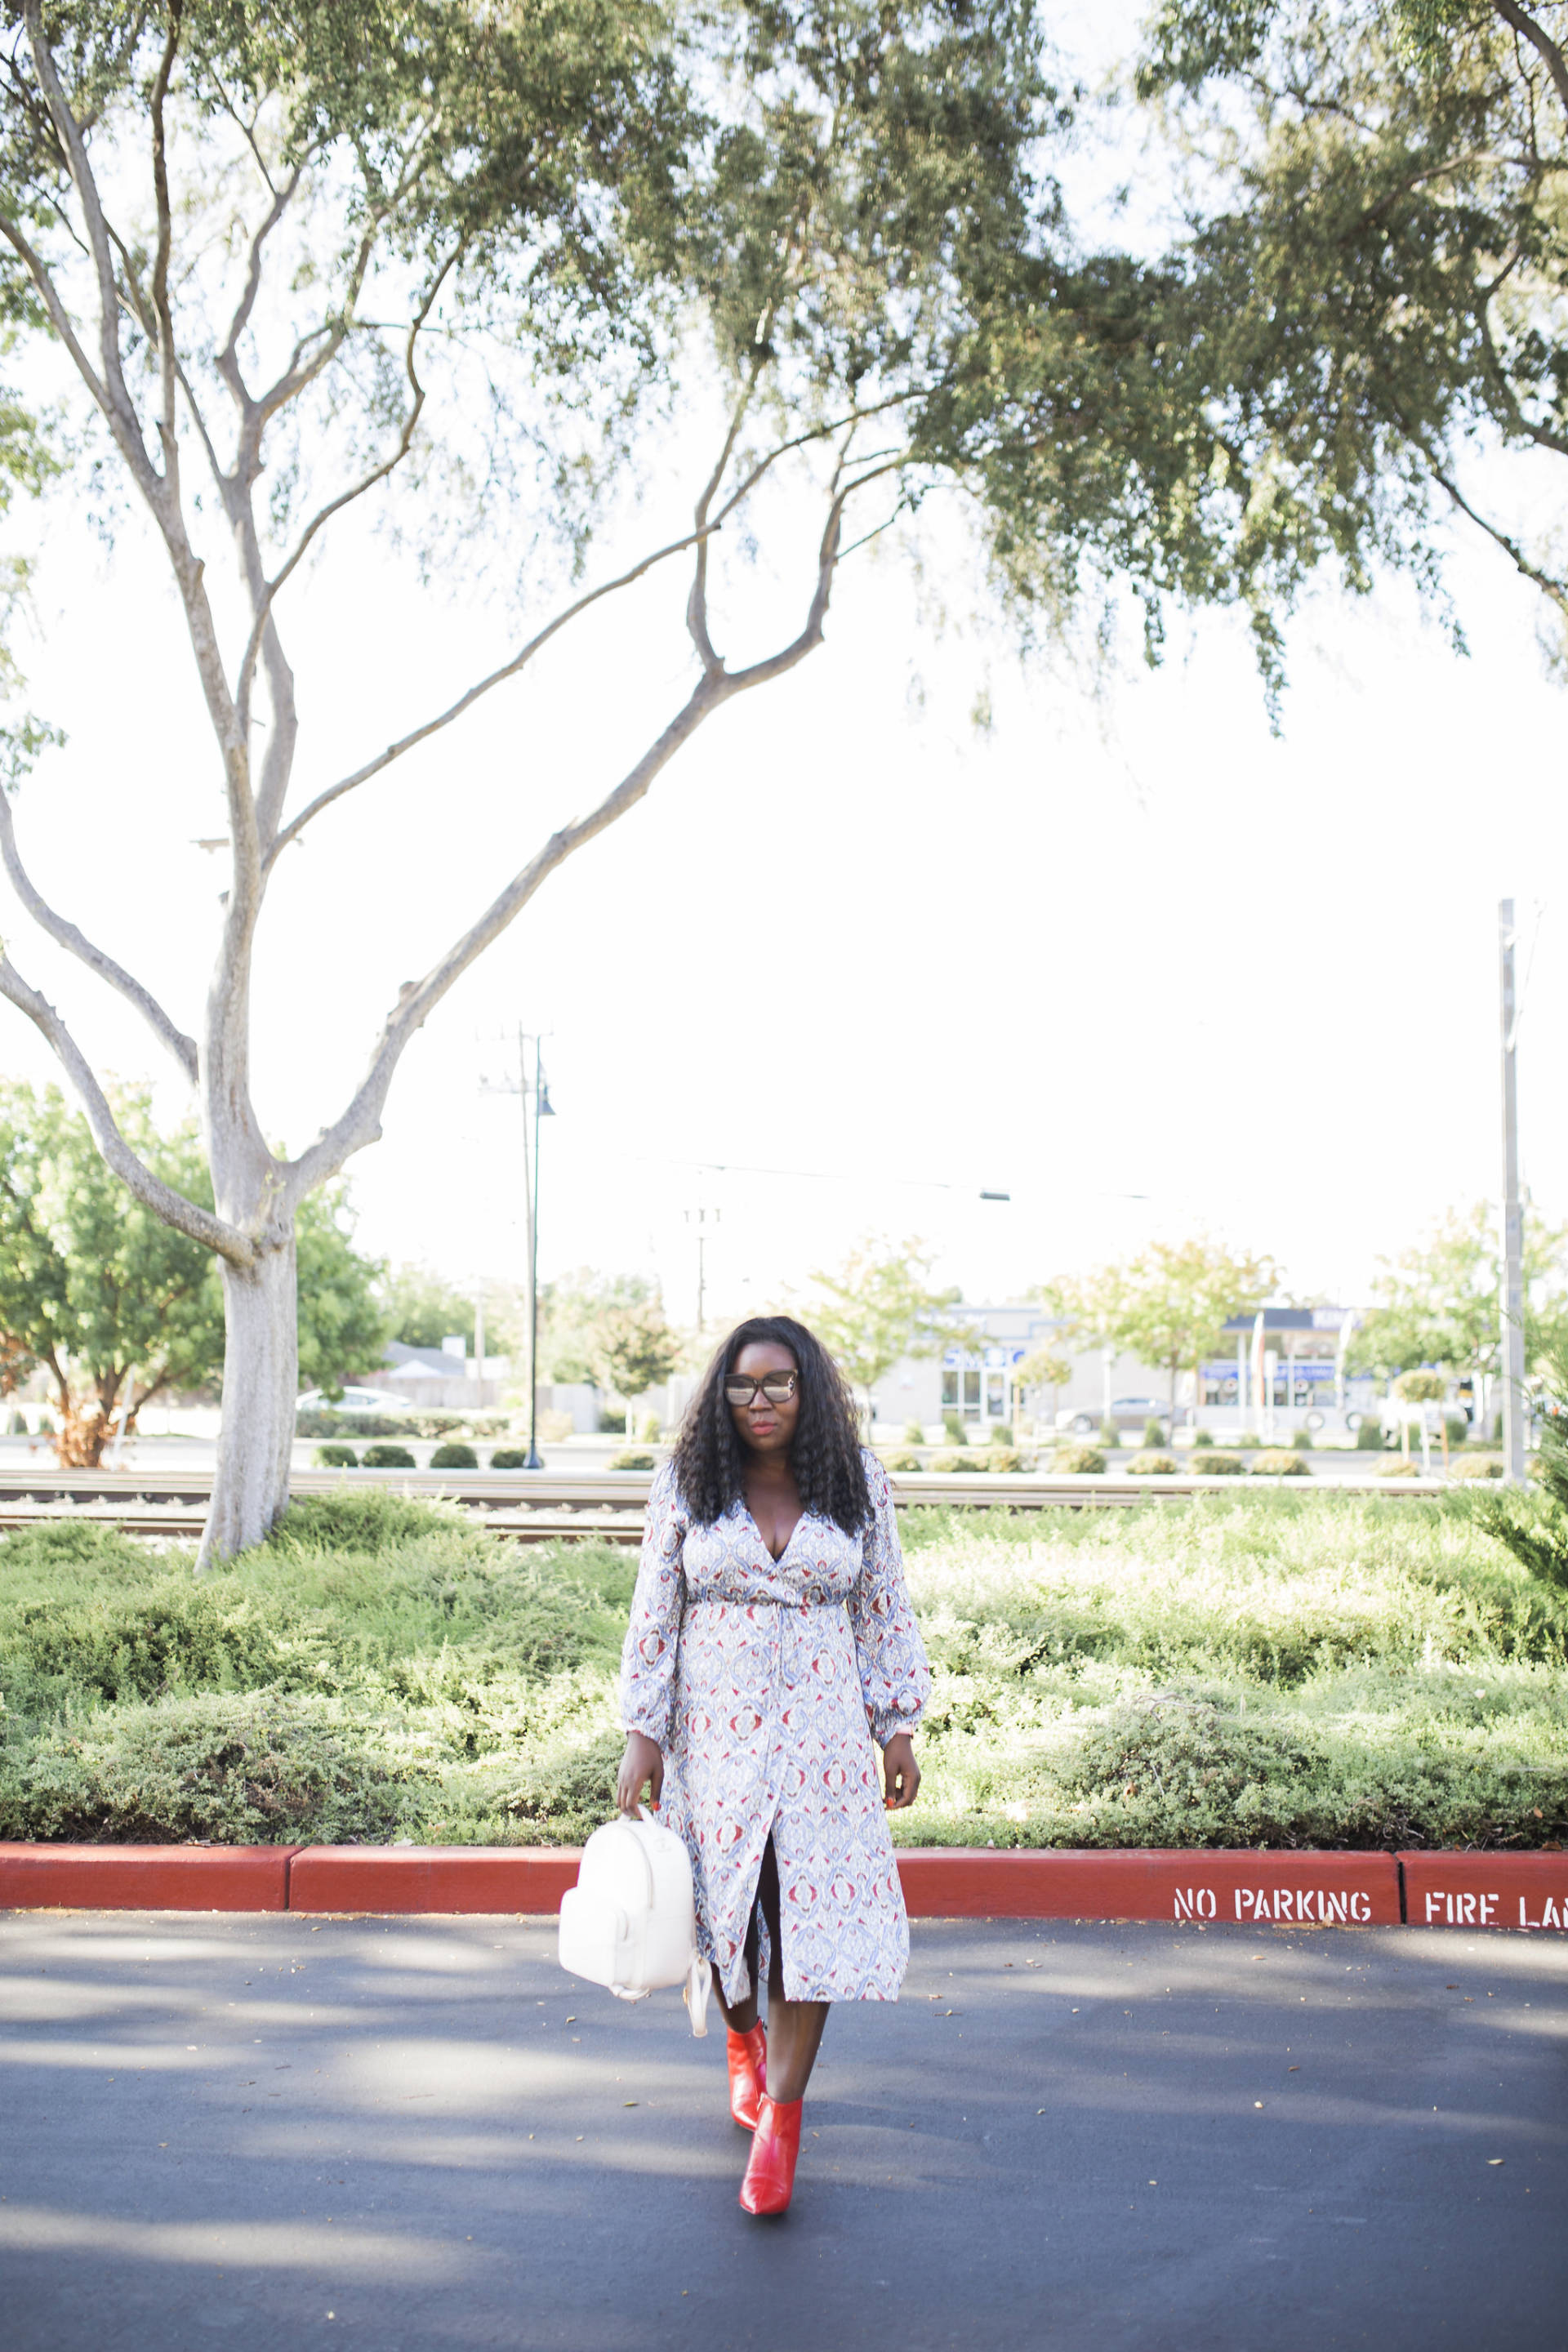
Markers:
point(642, 1767)
point(900, 1773)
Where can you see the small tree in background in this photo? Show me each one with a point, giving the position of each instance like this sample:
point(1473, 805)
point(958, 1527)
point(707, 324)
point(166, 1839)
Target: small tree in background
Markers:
point(1042, 1369)
point(878, 1308)
point(118, 1308)
point(635, 1349)
point(1168, 1306)
point(1440, 1302)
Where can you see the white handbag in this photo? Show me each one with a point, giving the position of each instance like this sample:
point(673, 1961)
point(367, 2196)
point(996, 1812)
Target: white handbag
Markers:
point(630, 1923)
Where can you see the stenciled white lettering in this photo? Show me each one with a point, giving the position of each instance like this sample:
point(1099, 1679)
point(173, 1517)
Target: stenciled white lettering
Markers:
point(1360, 1906)
point(1433, 1905)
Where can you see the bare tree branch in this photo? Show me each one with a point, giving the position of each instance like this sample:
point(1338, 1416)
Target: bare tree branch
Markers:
point(1542, 435)
point(161, 310)
point(347, 497)
point(182, 1049)
point(292, 831)
point(197, 1224)
point(118, 405)
point(59, 317)
point(697, 601)
point(1546, 50)
point(1554, 591)
point(228, 357)
point(361, 1122)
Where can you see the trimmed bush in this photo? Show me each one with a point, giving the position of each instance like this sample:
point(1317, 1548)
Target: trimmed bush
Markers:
point(1369, 1436)
point(1402, 1468)
point(510, 1457)
point(612, 1424)
point(1079, 1461)
point(999, 1434)
point(1004, 1459)
point(388, 1457)
point(1302, 1441)
point(914, 1432)
point(1476, 1465)
point(632, 1461)
point(900, 1462)
point(1151, 1464)
point(952, 1428)
point(1201, 1438)
point(1277, 1462)
point(961, 1466)
point(1110, 1436)
point(257, 1772)
point(1155, 1436)
point(452, 1457)
point(335, 1457)
point(1247, 1440)
point(1216, 1465)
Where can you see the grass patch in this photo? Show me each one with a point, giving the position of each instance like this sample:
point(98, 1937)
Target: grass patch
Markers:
point(1277, 1669)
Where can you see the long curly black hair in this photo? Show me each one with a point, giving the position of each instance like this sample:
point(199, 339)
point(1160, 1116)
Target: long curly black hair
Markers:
point(709, 1465)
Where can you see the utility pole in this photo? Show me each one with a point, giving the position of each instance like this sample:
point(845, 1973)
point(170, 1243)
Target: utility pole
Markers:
point(699, 1217)
point(542, 1109)
point(1511, 1350)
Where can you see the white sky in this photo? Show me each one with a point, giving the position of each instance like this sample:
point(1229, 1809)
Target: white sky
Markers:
point(1125, 948)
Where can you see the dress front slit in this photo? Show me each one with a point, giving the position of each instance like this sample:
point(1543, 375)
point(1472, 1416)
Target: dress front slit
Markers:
point(765, 1684)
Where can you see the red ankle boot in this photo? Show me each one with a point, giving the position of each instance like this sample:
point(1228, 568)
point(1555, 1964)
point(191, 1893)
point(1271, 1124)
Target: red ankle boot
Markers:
point(770, 2175)
point(748, 2073)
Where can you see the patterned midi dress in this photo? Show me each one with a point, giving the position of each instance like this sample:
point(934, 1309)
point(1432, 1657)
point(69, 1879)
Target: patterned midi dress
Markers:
point(764, 1683)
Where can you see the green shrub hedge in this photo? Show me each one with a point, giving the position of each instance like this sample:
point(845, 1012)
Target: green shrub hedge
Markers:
point(335, 1457)
point(510, 1457)
point(452, 1456)
point(387, 1457)
point(1079, 1461)
point(1151, 1464)
point(1288, 1666)
point(1216, 1465)
point(1277, 1462)
point(632, 1460)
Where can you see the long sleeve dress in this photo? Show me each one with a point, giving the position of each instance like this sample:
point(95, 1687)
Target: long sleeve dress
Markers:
point(764, 1683)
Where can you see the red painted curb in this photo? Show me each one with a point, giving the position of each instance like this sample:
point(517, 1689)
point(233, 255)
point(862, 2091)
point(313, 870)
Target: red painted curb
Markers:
point(144, 1877)
point(431, 1877)
point(1485, 1890)
point(1316, 1889)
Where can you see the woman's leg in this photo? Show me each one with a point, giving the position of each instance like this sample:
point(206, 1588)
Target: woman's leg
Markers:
point(795, 2027)
point(742, 2015)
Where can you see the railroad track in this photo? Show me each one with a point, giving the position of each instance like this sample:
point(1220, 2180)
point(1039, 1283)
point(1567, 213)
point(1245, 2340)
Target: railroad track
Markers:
point(542, 1505)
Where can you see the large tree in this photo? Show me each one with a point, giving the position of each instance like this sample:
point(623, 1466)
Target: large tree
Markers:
point(321, 254)
point(116, 1306)
point(1380, 248)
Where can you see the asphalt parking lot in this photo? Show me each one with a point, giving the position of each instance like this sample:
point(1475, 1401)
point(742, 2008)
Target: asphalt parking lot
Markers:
point(417, 2133)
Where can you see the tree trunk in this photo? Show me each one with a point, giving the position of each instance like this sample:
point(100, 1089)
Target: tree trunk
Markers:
point(260, 1381)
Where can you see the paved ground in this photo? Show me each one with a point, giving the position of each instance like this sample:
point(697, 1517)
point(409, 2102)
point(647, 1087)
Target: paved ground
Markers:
point(412, 2134)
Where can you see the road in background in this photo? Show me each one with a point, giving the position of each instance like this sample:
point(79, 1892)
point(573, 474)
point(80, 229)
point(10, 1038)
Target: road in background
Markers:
point(413, 2134)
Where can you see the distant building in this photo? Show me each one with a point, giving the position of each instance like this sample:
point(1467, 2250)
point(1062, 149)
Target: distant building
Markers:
point(1279, 1373)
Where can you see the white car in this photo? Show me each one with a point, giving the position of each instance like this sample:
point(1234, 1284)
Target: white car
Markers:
point(352, 1401)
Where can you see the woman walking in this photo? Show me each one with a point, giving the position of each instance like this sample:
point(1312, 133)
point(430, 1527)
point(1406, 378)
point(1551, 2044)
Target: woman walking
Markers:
point(771, 1640)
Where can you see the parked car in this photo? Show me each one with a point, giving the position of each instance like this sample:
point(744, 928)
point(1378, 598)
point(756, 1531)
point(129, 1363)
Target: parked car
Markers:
point(352, 1401)
point(1127, 1413)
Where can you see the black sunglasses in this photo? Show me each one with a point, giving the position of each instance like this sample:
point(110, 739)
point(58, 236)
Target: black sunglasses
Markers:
point(777, 1387)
